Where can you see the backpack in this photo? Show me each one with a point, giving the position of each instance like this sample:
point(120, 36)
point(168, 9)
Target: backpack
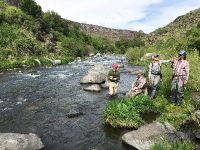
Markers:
point(156, 69)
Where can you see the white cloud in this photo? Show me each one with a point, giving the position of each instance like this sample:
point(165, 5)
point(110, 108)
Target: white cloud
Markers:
point(110, 13)
point(164, 16)
point(119, 13)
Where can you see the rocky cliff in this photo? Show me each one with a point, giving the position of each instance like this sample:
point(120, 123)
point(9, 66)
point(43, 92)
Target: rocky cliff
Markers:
point(113, 34)
point(13, 2)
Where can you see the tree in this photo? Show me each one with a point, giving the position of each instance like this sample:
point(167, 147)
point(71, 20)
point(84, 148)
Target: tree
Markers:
point(31, 8)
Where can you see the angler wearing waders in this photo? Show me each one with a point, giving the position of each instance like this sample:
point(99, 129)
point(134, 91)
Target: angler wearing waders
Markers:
point(180, 77)
point(155, 74)
point(114, 77)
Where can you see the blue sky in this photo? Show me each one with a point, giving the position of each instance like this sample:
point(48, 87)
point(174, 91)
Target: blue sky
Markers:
point(146, 15)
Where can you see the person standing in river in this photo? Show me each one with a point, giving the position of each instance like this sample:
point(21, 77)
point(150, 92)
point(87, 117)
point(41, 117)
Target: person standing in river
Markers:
point(155, 74)
point(180, 77)
point(114, 77)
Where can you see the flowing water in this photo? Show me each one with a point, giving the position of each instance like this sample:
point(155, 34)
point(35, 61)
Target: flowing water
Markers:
point(38, 102)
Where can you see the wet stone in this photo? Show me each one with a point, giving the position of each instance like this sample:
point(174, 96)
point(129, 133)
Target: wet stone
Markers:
point(197, 134)
point(74, 112)
point(33, 109)
point(93, 88)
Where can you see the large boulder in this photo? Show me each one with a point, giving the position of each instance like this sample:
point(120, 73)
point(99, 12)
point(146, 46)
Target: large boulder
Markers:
point(97, 74)
point(148, 135)
point(106, 84)
point(93, 88)
point(196, 99)
point(15, 141)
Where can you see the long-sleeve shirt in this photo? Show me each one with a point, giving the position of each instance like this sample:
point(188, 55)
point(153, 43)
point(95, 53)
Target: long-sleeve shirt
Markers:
point(140, 82)
point(180, 69)
point(115, 76)
point(160, 63)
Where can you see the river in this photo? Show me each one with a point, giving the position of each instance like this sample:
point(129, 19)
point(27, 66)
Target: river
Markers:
point(38, 100)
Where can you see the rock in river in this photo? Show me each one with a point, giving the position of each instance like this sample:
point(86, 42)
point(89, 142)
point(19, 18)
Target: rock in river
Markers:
point(93, 88)
point(16, 141)
point(96, 74)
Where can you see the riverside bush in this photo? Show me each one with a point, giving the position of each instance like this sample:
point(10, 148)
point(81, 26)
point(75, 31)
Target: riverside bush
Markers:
point(127, 112)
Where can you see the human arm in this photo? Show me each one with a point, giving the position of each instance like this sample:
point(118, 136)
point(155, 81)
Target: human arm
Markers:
point(149, 73)
point(164, 61)
point(141, 84)
point(110, 75)
point(117, 77)
point(187, 69)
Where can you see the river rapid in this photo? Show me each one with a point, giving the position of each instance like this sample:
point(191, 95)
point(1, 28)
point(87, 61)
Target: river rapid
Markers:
point(39, 99)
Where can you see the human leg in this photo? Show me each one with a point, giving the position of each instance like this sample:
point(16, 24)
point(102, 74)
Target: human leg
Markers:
point(111, 88)
point(156, 79)
point(180, 92)
point(173, 94)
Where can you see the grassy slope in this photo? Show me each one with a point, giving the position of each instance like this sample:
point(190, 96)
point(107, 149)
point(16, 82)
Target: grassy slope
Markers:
point(175, 29)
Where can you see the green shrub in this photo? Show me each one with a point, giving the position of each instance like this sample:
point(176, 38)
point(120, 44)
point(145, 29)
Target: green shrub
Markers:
point(175, 145)
point(134, 54)
point(55, 22)
point(126, 112)
point(31, 8)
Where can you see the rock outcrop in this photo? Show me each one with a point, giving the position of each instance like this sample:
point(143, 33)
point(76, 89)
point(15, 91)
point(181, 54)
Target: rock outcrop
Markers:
point(113, 34)
point(148, 135)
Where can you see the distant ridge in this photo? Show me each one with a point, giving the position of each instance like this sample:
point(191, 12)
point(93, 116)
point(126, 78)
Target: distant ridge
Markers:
point(113, 34)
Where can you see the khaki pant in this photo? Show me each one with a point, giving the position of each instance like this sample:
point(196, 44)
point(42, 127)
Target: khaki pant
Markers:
point(113, 87)
point(154, 84)
point(177, 91)
point(136, 92)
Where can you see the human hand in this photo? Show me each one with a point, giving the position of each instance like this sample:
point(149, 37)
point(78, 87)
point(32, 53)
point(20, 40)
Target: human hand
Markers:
point(172, 60)
point(185, 82)
point(134, 88)
point(149, 81)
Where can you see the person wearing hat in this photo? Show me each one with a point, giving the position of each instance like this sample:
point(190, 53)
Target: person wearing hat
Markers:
point(139, 85)
point(180, 77)
point(114, 77)
point(155, 74)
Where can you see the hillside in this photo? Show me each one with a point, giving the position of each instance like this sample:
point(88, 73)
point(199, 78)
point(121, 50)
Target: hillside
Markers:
point(95, 30)
point(177, 28)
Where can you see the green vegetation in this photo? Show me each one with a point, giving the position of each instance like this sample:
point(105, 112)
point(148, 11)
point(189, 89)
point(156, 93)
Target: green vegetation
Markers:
point(175, 145)
point(26, 33)
point(124, 44)
point(126, 112)
point(167, 42)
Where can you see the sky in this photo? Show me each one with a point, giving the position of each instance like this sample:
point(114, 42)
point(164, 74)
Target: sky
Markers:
point(145, 15)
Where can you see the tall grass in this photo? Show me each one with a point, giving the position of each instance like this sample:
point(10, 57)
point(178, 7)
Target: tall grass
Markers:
point(175, 145)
